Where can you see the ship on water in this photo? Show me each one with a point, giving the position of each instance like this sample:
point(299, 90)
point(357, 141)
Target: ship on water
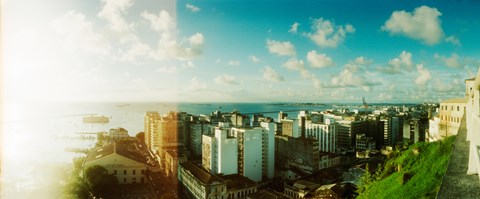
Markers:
point(96, 119)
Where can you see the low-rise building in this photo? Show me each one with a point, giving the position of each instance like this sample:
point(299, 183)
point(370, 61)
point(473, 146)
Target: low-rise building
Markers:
point(125, 163)
point(172, 159)
point(118, 133)
point(299, 189)
point(239, 186)
point(199, 183)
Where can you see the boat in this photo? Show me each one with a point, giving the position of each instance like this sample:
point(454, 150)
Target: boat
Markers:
point(93, 119)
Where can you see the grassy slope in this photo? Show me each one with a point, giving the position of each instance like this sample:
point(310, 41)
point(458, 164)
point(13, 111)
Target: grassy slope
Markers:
point(426, 168)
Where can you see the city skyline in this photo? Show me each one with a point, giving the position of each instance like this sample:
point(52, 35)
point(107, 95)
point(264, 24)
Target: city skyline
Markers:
point(231, 51)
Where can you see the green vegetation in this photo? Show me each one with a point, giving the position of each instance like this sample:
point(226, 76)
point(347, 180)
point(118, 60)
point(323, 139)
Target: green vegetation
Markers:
point(97, 182)
point(76, 187)
point(414, 173)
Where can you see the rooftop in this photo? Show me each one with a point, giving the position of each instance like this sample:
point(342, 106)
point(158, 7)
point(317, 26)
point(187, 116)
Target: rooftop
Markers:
point(235, 181)
point(121, 148)
point(455, 100)
point(200, 173)
point(267, 194)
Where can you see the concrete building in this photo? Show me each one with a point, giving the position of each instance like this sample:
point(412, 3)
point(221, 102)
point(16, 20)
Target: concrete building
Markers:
point(239, 186)
point(433, 131)
point(299, 153)
point(364, 143)
point(347, 131)
point(452, 112)
point(199, 183)
point(291, 127)
point(197, 130)
point(220, 151)
point(151, 128)
point(121, 160)
point(326, 134)
point(247, 151)
point(391, 131)
point(472, 113)
point(327, 160)
point(300, 189)
point(172, 159)
point(118, 133)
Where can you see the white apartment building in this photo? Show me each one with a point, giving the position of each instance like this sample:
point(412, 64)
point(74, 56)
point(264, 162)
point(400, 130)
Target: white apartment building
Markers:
point(247, 151)
point(326, 134)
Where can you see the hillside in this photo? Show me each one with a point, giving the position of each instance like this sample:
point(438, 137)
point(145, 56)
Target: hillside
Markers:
point(414, 173)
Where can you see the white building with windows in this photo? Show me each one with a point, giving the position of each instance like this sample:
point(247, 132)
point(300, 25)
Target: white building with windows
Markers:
point(247, 151)
point(326, 134)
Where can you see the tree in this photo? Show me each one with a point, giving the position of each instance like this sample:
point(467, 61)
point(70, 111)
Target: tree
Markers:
point(141, 137)
point(101, 183)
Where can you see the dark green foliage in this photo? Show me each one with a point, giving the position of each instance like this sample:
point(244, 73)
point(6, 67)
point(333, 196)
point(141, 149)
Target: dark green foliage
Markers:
point(140, 137)
point(414, 173)
point(101, 183)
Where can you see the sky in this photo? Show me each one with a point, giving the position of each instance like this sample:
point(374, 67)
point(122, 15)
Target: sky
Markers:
point(238, 51)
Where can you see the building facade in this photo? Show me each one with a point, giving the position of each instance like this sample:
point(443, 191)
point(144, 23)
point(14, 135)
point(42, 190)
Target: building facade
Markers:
point(199, 183)
point(326, 134)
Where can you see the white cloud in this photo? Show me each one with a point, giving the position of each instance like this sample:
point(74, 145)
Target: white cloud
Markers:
point(234, 63)
point(327, 34)
point(196, 39)
point(281, 48)
point(347, 78)
point(453, 40)
point(423, 75)
point(192, 8)
point(136, 50)
point(423, 24)
point(254, 59)
point(453, 61)
point(167, 69)
point(294, 27)
point(188, 64)
point(294, 64)
point(358, 64)
point(163, 22)
point(362, 61)
point(319, 60)
point(270, 75)
point(112, 11)
point(399, 64)
point(77, 33)
point(196, 85)
point(225, 80)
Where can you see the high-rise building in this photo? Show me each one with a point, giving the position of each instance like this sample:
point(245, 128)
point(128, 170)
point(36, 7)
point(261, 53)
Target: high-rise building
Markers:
point(220, 151)
point(326, 134)
point(347, 131)
point(244, 150)
point(290, 127)
point(151, 127)
point(391, 130)
point(197, 130)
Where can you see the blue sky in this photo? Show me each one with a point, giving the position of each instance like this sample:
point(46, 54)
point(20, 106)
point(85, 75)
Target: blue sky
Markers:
point(239, 51)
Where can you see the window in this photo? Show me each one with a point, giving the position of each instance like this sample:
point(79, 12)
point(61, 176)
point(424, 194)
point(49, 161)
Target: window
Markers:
point(124, 172)
point(134, 180)
point(114, 172)
point(133, 172)
point(458, 108)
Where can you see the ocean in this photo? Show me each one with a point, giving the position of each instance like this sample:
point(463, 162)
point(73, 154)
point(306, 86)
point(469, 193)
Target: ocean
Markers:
point(35, 136)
